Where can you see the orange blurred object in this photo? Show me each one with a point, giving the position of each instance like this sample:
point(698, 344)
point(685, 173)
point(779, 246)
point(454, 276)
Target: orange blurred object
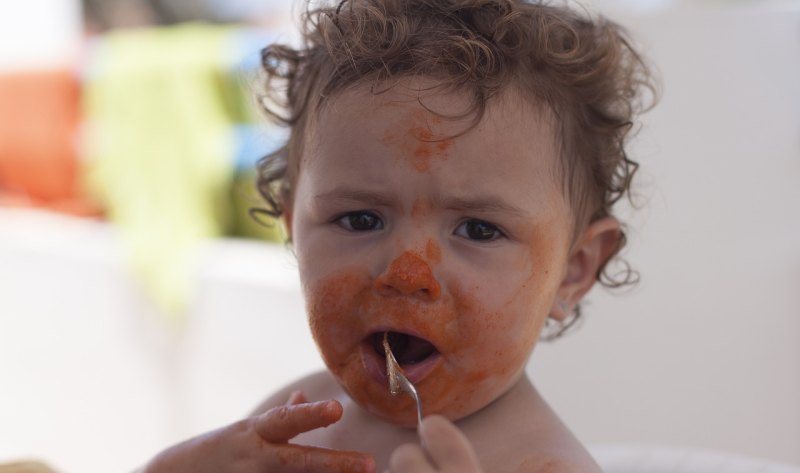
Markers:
point(38, 153)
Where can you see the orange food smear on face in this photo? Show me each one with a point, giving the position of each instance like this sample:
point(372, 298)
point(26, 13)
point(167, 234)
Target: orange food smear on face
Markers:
point(409, 274)
point(421, 134)
point(432, 252)
point(345, 307)
point(483, 349)
point(419, 144)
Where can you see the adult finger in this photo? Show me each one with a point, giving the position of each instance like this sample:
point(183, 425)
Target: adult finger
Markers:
point(304, 459)
point(446, 445)
point(282, 423)
point(409, 458)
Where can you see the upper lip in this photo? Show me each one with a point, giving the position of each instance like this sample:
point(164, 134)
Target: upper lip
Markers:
point(402, 331)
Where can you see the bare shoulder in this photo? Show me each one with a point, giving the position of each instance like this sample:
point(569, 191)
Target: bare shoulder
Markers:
point(318, 386)
point(520, 433)
point(549, 449)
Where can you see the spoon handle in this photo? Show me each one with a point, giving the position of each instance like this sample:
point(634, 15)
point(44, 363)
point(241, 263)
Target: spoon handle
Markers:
point(397, 379)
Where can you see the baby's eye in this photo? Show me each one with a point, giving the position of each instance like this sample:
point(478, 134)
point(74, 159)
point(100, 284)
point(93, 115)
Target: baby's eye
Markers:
point(474, 229)
point(361, 221)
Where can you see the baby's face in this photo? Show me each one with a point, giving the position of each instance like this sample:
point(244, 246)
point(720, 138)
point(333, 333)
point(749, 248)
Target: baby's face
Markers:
point(454, 245)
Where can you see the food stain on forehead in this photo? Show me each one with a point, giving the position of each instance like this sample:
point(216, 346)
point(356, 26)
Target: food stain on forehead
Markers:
point(418, 140)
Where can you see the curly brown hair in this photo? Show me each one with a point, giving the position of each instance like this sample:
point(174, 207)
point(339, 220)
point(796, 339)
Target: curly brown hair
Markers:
point(582, 69)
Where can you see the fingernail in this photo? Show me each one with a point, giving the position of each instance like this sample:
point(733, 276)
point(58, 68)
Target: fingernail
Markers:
point(330, 407)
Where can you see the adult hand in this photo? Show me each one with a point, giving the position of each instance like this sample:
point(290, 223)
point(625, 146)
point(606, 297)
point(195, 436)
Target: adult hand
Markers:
point(445, 449)
point(261, 444)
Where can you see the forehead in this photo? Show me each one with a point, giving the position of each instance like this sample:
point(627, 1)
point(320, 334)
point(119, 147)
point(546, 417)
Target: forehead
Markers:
point(415, 142)
point(421, 122)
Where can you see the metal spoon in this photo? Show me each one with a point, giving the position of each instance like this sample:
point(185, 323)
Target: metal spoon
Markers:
point(397, 379)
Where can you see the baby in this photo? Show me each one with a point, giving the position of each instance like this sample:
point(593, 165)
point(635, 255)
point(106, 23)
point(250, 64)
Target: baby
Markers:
point(448, 183)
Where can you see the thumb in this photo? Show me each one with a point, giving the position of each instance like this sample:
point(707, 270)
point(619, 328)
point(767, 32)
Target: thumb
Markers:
point(447, 445)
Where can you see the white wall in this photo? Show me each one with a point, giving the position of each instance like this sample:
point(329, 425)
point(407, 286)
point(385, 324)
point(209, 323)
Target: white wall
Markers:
point(704, 352)
point(39, 34)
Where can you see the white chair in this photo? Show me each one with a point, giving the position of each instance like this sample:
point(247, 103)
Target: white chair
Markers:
point(633, 458)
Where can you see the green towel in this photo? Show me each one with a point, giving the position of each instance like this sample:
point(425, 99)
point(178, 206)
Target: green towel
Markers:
point(26, 467)
point(160, 105)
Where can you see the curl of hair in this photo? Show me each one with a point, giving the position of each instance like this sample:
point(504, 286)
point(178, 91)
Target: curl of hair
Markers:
point(583, 69)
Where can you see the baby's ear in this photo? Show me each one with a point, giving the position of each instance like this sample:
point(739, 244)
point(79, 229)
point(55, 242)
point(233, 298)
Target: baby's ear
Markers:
point(591, 250)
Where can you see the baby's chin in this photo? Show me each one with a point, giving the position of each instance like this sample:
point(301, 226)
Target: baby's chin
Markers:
point(397, 410)
point(454, 385)
point(401, 410)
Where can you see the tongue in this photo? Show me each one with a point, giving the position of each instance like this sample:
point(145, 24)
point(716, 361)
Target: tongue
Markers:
point(407, 349)
point(415, 351)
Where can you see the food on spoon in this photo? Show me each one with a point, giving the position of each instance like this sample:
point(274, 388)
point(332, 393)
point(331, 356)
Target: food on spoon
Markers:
point(391, 367)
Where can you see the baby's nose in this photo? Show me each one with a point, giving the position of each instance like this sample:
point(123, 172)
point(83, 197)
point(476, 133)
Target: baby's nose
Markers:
point(409, 275)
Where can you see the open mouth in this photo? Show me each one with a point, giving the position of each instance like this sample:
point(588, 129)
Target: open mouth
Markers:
point(407, 349)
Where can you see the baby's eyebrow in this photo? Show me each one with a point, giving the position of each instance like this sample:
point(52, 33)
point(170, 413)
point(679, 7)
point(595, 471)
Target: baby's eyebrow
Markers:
point(355, 195)
point(483, 203)
point(479, 203)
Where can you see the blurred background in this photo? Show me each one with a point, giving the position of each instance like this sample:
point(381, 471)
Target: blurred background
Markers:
point(140, 304)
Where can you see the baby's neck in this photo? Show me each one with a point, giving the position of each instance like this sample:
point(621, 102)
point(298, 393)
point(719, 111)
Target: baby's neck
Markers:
point(516, 430)
point(505, 427)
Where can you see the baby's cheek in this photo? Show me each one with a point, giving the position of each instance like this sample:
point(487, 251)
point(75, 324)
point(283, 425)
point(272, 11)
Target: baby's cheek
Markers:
point(330, 308)
point(486, 357)
point(488, 368)
point(375, 398)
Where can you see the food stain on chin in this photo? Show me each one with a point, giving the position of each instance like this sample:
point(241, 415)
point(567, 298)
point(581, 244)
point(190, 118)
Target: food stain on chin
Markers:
point(419, 143)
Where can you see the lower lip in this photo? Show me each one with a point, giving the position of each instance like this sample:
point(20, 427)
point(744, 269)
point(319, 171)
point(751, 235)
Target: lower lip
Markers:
point(375, 365)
